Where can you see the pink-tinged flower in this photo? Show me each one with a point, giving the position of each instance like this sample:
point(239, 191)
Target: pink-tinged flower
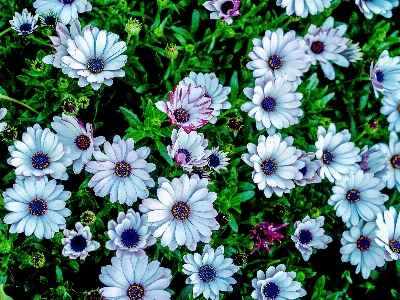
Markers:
point(266, 232)
point(223, 9)
point(188, 107)
point(310, 170)
point(373, 161)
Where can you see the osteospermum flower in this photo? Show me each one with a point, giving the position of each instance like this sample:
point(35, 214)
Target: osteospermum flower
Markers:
point(303, 7)
point(78, 243)
point(359, 197)
point(37, 207)
point(338, 155)
point(310, 170)
point(188, 107)
point(66, 10)
point(373, 161)
point(392, 152)
point(121, 172)
point(266, 233)
point(183, 212)
point(130, 235)
point(384, 8)
point(217, 160)
point(275, 164)
point(209, 272)
point(274, 103)
point(39, 154)
point(187, 149)
point(360, 248)
point(217, 92)
point(353, 52)
point(3, 112)
point(223, 9)
point(73, 134)
point(326, 44)
point(309, 234)
point(391, 108)
point(24, 24)
point(276, 283)
point(388, 233)
point(135, 278)
point(385, 74)
point(95, 57)
point(280, 54)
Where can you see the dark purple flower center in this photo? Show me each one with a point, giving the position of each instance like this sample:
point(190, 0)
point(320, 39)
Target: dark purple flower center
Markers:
point(37, 207)
point(200, 172)
point(82, 142)
point(317, 47)
point(328, 157)
point(271, 290)
point(395, 161)
point(353, 196)
point(25, 28)
point(227, 5)
point(269, 166)
point(95, 65)
point(122, 169)
point(303, 171)
point(130, 238)
point(188, 156)
point(275, 62)
point(268, 104)
point(395, 245)
point(50, 21)
point(207, 273)
point(180, 211)
point(78, 243)
point(181, 115)
point(213, 160)
point(40, 160)
point(379, 76)
point(67, 1)
point(363, 243)
point(135, 292)
point(305, 236)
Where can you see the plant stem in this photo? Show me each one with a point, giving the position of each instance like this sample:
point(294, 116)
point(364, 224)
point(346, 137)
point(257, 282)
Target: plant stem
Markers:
point(19, 102)
point(5, 31)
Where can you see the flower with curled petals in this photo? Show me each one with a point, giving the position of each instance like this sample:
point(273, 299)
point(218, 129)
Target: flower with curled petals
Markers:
point(24, 24)
point(223, 9)
point(265, 233)
point(373, 161)
point(385, 74)
point(301, 8)
point(379, 7)
point(392, 153)
point(388, 233)
point(310, 170)
point(391, 108)
point(3, 112)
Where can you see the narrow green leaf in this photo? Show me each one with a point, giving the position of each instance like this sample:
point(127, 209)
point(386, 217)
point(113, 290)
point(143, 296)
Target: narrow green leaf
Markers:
point(195, 21)
point(131, 117)
point(183, 32)
point(163, 151)
point(59, 275)
point(232, 224)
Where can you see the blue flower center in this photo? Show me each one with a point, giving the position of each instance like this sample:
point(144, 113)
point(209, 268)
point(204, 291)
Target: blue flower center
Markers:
point(122, 169)
point(227, 5)
point(271, 290)
point(40, 160)
point(213, 160)
point(25, 28)
point(275, 62)
point(317, 47)
point(353, 196)
point(303, 171)
point(363, 243)
point(82, 142)
point(207, 273)
point(395, 245)
point(395, 161)
point(130, 238)
point(328, 157)
point(305, 236)
point(37, 207)
point(135, 291)
point(180, 211)
point(379, 76)
point(50, 21)
point(187, 154)
point(269, 166)
point(95, 65)
point(268, 104)
point(78, 243)
point(67, 1)
point(181, 115)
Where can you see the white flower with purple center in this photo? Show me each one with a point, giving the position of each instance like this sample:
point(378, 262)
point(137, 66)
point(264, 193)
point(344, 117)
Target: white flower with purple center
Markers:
point(66, 10)
point(276, 284)
point(275, 162)
point(135, 279)
point(3, 112)
point(183, 212)
point(379, 7)
point(121, 172)
point(274, 103)
point(391, 108)
point(338, 155)
point(217, 160)
point(353, 52)
point(326, 44)
point(209, 272)
point(310, 170)
point(37, 207)
point(392, 152)
point(78, 243)
point(73, 134)
point(358, 197)
point(223, 9)
point(130, 235)
point(216, 91)
point(39, 154)
point(309, 234)
point(360, 248)
point(373, 161)
point(388, 233)
point(385, 74)
point(24, 24)
point(301, 8)
point(188, 149)
point(280, 54)
point(188, 106)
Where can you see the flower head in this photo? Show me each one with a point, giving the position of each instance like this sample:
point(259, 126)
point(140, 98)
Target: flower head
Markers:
point(133, 26)
point(78, 243)
point(3, 112)
point(385, 74)
point(24, 24)
point(266, 233)
point(217, 160)
point(171, 51)
point(353, 52)
point(310, 170)
point(392, 152)
point(371, 7)
point(223, 9)
point(303, 7)
point(49, 19)
point(388, 233)
point(373, 161)
point(391, 108)
point(235, 124)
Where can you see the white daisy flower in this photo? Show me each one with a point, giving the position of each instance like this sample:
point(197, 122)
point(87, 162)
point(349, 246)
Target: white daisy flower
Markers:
point(121, 172)
point(276, 284)
point(385, 74)
point(95, 57)
point(209, 272)
point(274, 103)
point(373, 161)
point(39, 154)
point(310, 170)
point(326, 44)
point(357, 198)
point(188, 107)
point(353, 52)
point(392, 152)
point(388, 233)
point(303, 7)
point(188, 149)
point(3, 112)
point(24, 24)
point(280, 54)
point(135, 278)
point(217, 92)
point(360, 248)
point(309, 234)
point(73, 134)
point(130, 235)
point(78, 243)
point(223, 9)
point(183, 213)
point(66, 10)
point(391, 108)
point(275, 164)
point(384, 7)
point(338, 155)
point(217, 160)
point(37, 207)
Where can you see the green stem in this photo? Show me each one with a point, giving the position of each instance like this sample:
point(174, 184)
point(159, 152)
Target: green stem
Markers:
point(19, 102)
point(128, 39)
point(5, 31)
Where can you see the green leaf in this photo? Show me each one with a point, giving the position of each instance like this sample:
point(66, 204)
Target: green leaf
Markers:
point(195, 21)
point(136, 135)
point(3, 295)
point(232, 223)
point(163, 151)
point(74, 265)
point(395, 294)
point(319, 288)
point(234, 84)
point(185, 293)
point(59, 275)
point(131, 117)
point(183, 32)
